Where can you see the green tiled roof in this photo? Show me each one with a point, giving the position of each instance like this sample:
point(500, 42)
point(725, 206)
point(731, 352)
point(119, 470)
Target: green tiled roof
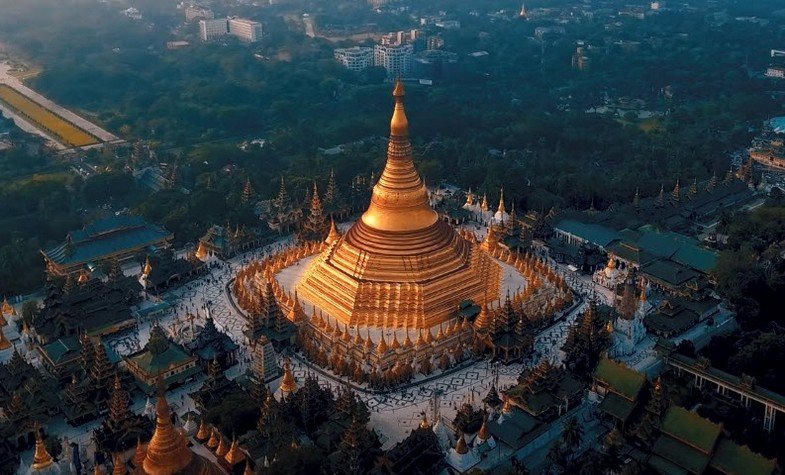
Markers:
point(669, 272)
point(689, 458)
point(154, 363)
point(691, 428)
point(594, 233)
point(106, 237)
point(622, 379)
point(62, 349)
point(617, 406)
point(736, 460)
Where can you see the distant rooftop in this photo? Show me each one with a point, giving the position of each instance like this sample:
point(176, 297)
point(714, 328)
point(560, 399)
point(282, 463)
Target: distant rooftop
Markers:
point(105, 237)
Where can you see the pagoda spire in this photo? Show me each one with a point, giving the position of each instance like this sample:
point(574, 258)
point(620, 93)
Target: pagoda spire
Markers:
point(247, 191)
point(167, 451)
point(333, 235)
point(636, 200)
point(484, 202)
point(147, 267)
point(41, 457)
point(4, 343)
point(676, 193)
point(399, 201)
point(501, 210)
point(288, 384)
point(118, 403)
point(282, 200)
point(661, 196)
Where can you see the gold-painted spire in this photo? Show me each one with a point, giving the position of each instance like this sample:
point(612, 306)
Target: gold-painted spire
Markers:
point(234, 455)
point(247, 470)
point(223, 447)
point(147, 267)
point(288, 384)
point(381, 348)
point(399, 201)
point(424, 424)
point(139, 453)
point(41, 457)
point(333, 235)
point(501, 209)
point(4, 342)
point(460, 446)
point(7, 308)
point(201, 252)
point(484, 203)
point(484, 433)
point(119, 467)
point(83, 277)
point(167, 452)
point(203, 433)
point(212, 443)
point(98, 470)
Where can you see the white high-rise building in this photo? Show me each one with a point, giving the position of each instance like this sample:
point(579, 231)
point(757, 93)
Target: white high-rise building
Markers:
point(396, 59)
point(355, 58)
point(246, 30)
point(212, 29)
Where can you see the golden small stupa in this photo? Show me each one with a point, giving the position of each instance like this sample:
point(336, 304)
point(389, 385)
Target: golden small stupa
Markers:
point(399, 266)
point(147, 267)
point(201, 252)
point(42, 461)
point(288, 384)
point(167, 452)
point(234, 455)
point(4, 343)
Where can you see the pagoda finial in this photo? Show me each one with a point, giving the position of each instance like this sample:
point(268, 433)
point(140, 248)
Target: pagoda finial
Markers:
point(399, 125)
point(501, 209)
point(399, 201)
point(41, 457)
point(288, 384)
point(167, 451)
point(147, 267)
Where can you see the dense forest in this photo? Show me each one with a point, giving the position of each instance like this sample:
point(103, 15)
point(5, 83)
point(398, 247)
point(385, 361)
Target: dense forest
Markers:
point(193, 105)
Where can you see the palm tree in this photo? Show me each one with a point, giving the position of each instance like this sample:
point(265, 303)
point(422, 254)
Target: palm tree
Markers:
point(572, 434)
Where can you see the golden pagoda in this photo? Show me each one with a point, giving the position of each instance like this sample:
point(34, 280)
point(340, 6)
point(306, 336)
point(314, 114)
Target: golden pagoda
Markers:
point(288, 384)
point(399, 266)
point(4, 343)
point(147, 267)
point(42, 461)
point(234, 455)
point(201, 252)
point(118, 466)
point(167, 452)
point(7, 308)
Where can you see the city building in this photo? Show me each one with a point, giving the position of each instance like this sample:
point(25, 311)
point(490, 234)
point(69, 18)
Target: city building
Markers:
point(395, 59)
point(198, 12)
point(245, 30)
point(115, 238)
point(775, 72)
point(355, 58)
point(212, 29)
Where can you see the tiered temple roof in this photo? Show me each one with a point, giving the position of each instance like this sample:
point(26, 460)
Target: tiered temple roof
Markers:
point(115, 237)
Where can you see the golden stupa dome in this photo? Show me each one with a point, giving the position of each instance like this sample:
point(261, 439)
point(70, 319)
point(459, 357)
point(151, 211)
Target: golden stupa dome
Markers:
point(399, 265)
